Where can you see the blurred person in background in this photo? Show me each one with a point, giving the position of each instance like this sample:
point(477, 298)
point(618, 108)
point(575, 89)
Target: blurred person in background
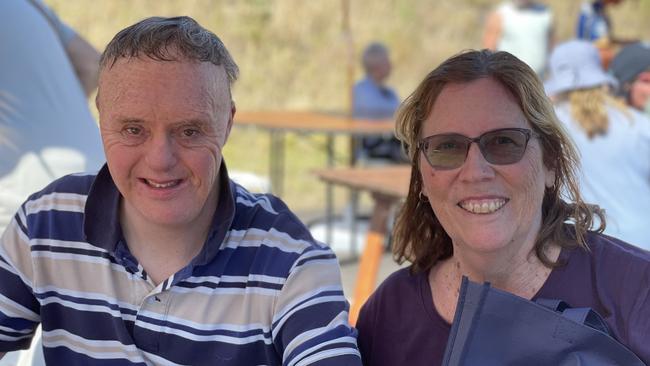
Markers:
point(595, 25)
point(373, 99)
point(594, 22)
point(46, 128)
point(613, 140)
point(631, 67)
point(521, 27)
point(160, 258)
point(493, 196)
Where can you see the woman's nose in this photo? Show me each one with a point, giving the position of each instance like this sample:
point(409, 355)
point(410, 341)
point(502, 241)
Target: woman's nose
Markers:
point(475, 167)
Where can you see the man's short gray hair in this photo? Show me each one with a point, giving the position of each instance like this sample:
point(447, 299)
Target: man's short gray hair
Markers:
point(165, 39)
point(373, 50)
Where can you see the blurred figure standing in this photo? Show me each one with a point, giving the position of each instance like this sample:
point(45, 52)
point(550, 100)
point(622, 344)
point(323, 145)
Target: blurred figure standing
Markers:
point(46, 128)
point(373, 99)
point(613, 140)
point(631, 67)
point(523, 28)
point(595, 25)
point(594, 22)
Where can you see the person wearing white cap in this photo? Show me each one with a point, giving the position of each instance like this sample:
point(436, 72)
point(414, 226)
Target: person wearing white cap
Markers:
point(613, 139)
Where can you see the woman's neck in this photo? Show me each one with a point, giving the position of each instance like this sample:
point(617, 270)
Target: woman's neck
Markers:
point(520, 273)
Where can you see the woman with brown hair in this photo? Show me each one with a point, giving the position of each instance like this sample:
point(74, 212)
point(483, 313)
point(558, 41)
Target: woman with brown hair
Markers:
point(493, 196)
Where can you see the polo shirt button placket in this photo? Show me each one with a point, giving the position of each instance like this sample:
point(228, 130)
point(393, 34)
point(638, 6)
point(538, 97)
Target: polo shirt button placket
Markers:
point(144, 338)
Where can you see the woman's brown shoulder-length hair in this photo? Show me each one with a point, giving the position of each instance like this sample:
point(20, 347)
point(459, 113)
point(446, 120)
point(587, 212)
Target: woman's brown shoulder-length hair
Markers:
point(418, 236)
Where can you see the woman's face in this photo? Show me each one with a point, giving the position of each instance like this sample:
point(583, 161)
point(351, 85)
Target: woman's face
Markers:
point(640, 91)
point(485, 208)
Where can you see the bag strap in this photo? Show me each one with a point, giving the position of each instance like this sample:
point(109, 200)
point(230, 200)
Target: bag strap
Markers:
point(553, 304)
point(586, 316)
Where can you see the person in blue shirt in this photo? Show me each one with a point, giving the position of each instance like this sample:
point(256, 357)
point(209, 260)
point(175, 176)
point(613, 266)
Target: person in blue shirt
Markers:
point(46, 127)
point(594, 24)
point(373, 99)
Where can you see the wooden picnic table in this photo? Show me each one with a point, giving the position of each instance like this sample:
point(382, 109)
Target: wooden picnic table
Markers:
point(388, 180)
point(388, 185)
point(278, 123)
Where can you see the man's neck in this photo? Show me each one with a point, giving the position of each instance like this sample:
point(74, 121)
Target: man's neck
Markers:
point(373, 81)
point(163, 250)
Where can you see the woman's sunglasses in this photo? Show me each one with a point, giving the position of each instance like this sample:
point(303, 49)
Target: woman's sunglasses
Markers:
point(500, 147)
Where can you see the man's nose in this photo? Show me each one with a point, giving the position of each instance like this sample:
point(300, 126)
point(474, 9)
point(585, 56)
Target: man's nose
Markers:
point(161, 152)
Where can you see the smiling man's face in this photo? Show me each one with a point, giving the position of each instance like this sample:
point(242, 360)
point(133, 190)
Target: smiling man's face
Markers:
point(163, 125)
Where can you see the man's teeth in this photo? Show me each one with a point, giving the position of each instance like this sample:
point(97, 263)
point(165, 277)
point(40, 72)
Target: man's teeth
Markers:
point(483, 207)
point(162, 185)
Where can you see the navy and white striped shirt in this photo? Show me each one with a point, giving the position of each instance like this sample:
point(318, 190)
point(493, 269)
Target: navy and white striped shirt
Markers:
point(261, 291)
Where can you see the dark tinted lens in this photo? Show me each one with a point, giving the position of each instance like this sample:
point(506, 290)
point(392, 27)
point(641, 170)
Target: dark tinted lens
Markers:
point(504, 146)
point(446, 151)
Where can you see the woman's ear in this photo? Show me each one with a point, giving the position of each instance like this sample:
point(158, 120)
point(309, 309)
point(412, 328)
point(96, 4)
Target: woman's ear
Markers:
point(549, 179)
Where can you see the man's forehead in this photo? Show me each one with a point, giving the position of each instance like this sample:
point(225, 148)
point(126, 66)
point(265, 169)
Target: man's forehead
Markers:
point(180, 63)
point(143, 72)
point(140, 83)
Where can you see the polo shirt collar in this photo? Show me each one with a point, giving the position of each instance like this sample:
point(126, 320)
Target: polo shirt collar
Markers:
point(102, 224)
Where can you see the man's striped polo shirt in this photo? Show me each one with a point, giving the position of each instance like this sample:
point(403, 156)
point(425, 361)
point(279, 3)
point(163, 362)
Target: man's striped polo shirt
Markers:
point(261, 292)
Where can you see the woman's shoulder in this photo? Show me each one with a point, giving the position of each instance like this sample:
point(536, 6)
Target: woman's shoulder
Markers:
point(400, 288)
point(609, 250)
point(621, 275)
point(401, 282)
point(607, 256)
point(607, 263)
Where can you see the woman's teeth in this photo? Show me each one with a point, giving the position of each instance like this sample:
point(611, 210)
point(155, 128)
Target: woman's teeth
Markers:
point(483, 206)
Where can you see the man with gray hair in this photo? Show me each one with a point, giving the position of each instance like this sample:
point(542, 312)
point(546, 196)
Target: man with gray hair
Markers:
point(160, 258)
point(373, 99)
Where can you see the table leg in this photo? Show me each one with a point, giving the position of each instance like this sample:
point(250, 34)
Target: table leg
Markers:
point(276, 162)
point(281, 163)
point(354, 224)
point(329, 192)
point(371, 257)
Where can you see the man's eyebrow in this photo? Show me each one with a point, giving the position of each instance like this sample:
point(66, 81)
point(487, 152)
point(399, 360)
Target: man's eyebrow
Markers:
point(194, 121)
point(125, 120)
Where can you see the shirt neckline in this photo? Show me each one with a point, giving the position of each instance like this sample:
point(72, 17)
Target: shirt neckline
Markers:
point(426, 297)
point(102, 228)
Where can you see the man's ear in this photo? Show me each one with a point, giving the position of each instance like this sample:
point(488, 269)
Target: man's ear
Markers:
point(231, 120)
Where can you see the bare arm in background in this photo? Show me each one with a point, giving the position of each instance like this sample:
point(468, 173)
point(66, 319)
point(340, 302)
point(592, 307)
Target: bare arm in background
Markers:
point(85, 60)
point(492, 31)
